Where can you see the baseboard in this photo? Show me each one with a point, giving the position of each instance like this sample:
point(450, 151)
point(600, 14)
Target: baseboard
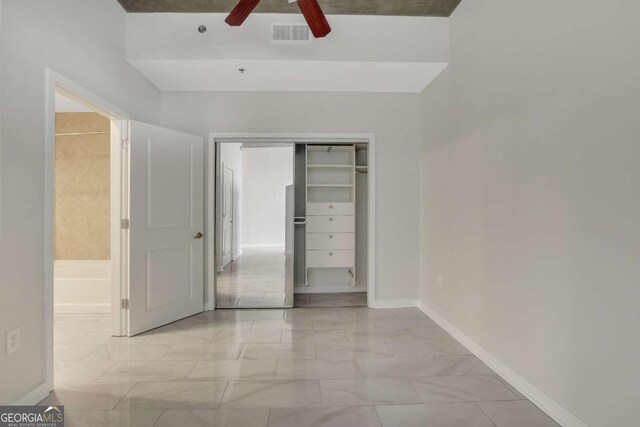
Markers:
point(329, 289)
point(82, 308)
point(394, 303)
point(556, 411)
point(34, 396)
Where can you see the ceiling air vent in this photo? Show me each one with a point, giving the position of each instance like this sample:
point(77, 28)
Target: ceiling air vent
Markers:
point(290, 33)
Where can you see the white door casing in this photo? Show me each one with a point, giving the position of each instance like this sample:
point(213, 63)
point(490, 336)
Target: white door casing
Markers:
point(227, 215)
point(166, 202)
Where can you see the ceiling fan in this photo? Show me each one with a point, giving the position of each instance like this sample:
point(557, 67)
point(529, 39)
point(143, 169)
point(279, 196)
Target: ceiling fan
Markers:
point(310, 10)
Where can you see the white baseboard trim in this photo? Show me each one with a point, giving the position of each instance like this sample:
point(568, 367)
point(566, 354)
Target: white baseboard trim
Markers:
point(34, 396)
point(394, 303)
point(552, 408)
point(329, 289)
point(82, 308)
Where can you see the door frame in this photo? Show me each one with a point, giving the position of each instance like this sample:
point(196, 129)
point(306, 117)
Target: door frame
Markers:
point(211, 154)
point(55, 82)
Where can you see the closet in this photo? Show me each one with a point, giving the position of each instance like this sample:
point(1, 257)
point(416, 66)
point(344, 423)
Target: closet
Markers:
point(331, 217)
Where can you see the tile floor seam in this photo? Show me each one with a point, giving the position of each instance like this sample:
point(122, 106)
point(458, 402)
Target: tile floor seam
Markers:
point(416, 391)
point(485, 414)
point(158, 420)
point(269, 417)
point(222, 394)
point(186, 378)
point(131, 387)
point(97, 380)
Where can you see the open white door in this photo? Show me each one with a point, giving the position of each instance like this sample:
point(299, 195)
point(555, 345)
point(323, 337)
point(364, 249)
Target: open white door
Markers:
point(166, 202)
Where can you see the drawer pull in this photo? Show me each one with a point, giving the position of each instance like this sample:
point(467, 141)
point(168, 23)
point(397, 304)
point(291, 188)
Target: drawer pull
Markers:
point(331, 236)
point(330, 206)
point(330, 253)
point(330, 219)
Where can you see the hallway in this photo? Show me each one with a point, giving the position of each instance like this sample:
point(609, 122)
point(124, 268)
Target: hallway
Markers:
point(280, 368)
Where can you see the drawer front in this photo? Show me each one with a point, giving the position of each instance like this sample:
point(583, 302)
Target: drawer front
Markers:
point(328, 224)
point(316, 241)
point(331, 208)
point(331, 259)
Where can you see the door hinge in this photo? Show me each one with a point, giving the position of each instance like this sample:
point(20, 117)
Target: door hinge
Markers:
point(124, 304)
point(124, 224)
point(125, 143)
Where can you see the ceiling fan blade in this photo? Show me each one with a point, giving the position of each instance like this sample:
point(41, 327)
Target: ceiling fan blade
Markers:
point(240, 12)
point(315, 18)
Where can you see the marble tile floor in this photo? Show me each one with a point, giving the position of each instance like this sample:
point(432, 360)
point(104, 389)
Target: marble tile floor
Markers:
point(338, 367)
point(257, 278)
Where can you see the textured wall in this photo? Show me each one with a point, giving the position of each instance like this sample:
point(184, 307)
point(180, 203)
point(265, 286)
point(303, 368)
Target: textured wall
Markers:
point(82, 187)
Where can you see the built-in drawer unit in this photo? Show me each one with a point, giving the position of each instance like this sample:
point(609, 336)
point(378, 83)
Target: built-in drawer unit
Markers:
point(331, 259)
point(328, 224)
point(318, 241)
point(331, 208)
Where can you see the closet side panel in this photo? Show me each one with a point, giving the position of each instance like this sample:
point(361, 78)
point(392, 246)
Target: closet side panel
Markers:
point(362, 214)
point(362, 228)
point(300, 232)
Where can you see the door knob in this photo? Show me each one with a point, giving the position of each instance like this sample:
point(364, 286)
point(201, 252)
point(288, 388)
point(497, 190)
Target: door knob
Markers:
point(198, 236)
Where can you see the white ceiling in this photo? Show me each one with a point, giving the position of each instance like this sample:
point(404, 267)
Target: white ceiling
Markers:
point(362, 54)
point(288, 76)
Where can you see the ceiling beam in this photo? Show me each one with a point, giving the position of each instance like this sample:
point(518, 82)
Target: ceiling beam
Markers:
point(443, 8)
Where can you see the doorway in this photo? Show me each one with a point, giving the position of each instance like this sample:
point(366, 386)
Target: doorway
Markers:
point(129, 196)
point(82, 216)
point(255, 221)
point(82, 229)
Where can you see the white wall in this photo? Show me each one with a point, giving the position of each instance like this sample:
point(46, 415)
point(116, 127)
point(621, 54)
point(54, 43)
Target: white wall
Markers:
point(392, 117)
point(531, 196)
point(84, 41)
point(267, 172)
point(231, 155)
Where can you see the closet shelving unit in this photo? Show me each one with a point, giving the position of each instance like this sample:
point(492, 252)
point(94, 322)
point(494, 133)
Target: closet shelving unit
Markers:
point(330, 209)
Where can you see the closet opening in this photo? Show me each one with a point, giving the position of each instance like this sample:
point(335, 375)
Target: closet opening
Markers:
point(317, 217)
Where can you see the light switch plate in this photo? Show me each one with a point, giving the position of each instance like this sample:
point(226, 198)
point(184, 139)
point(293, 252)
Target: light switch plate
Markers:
point(13, 341)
